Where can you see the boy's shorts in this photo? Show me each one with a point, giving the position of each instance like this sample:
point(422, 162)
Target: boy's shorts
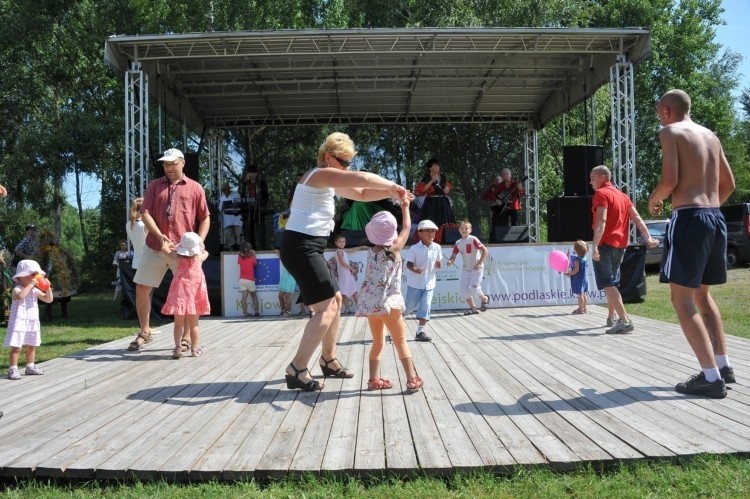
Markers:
point(470, 283)
point(419, 300)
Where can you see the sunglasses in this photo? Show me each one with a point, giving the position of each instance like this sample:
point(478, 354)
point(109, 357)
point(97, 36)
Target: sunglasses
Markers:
point(342, 162)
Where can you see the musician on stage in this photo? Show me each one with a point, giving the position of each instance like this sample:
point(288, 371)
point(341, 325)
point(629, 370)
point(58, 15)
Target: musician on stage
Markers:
point(231, 221)
point(504, 196)
point(254, 194)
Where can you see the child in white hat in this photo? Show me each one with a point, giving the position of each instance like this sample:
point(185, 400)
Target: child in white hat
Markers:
point(24, 329)
point(188, 293)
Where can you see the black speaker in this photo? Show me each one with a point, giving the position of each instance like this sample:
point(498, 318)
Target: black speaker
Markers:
point(512, 234)
point(578, 161)
point(569, 219)
point(213, 238)
point(451, 235)
point(192, 166)
point(355, 238)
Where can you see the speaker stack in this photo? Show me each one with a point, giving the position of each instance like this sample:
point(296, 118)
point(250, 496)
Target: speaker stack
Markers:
point(569, 217)
point(512, 234)
point(578, 161)
point(192, 166)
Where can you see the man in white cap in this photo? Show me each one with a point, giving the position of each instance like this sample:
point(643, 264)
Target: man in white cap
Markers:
point(171, 206)
point(422, 262)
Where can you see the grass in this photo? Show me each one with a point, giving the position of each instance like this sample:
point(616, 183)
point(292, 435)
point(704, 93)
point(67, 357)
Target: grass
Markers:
point(95, 319)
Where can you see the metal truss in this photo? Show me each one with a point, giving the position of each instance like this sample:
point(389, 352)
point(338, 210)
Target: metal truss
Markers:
point(531, 165)
point(622, 103)
point(136, 133)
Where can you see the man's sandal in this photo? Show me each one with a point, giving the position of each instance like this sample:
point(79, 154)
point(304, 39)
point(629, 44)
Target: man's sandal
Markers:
point(145, 338)
point(378, 384)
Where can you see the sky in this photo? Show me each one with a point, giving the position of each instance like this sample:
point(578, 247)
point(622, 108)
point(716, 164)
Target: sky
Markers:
point(736, 15)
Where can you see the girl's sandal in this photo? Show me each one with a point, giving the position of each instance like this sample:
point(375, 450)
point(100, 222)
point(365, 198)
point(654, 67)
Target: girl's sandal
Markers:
point(378, 384)
point(197, 352)
point(414, 383)
point(185, 344)
point(177, 353)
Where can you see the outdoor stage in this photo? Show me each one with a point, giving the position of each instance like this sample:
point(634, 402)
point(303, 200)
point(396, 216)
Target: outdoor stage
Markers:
point(505, 388)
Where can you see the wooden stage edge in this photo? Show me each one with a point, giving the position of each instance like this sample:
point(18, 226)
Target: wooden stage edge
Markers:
point(508, 388)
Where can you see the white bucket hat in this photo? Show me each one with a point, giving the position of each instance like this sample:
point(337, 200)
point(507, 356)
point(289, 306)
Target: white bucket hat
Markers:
point(27, 267)
point(190, 245)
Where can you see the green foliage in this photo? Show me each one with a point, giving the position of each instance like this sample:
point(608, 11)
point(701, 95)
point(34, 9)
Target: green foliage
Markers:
point(62, 111)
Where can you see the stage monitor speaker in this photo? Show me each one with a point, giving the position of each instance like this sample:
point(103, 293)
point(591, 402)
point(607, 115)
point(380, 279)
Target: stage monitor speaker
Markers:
point(355, 238)
point(512, 234)
point(451, 235)
point(578, 161)
point(192, 166)
point(569, 219)
point(213, 238)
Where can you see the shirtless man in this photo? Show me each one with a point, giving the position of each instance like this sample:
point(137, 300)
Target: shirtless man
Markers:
point(696, 174)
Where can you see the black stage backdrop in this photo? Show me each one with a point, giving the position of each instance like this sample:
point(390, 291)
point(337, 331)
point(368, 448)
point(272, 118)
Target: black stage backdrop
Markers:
point(211, 268)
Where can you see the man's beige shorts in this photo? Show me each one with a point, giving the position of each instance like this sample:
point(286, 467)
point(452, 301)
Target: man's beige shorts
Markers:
point(153, 266)
point(247, 285)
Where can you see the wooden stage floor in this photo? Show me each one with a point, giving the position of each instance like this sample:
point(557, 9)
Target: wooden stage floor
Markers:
point(505, 388)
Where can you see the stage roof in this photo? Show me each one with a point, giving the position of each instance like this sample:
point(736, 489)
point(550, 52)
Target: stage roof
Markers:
point(375, 76)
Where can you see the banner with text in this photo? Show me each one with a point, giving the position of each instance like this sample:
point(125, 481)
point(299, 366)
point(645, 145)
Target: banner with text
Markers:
point(514, 276)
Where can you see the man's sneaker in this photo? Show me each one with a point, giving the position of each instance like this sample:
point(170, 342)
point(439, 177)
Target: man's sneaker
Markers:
point(32, 371)
point(13, 373)
point(423, 337)
point(697, 385)
point(621, 328)
point(727, 374)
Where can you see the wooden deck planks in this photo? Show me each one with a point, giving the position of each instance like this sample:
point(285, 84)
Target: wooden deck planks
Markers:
point(504, 388)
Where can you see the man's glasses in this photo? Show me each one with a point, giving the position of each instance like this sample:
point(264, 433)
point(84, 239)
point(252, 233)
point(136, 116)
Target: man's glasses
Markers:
point(342, 162)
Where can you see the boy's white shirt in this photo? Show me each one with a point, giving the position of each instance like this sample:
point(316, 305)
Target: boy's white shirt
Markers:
point(425, 257)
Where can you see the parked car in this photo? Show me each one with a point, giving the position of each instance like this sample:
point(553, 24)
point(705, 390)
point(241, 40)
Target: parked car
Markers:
point(657, 229)
point(738, 233)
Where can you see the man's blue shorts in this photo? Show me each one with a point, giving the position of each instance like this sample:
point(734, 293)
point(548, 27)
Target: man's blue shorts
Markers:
point(607, 269)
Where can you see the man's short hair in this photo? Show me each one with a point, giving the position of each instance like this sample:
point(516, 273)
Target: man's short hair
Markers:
point(602, 170)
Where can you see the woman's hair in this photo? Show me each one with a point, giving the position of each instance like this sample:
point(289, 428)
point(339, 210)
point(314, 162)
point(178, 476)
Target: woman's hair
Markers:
point(135, 210)
point(122, 241)
point(581, 247)
point(431, 162)
point(335, 144)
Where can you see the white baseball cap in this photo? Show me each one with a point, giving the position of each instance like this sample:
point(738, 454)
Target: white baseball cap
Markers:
point(171, 155)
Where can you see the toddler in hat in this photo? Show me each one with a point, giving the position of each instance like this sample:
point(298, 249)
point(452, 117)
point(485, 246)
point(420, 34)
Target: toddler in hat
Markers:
point(380, 297)
point(24, 329)
point(188, 293)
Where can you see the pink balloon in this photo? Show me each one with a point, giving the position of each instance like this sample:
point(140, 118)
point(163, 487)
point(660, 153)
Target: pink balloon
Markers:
point(558, 260)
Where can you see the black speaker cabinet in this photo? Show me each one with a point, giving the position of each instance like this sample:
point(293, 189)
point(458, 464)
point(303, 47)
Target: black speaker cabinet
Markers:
point(578, 161)
point(192, 166)
point(569, 219)
point(451, 235)
point(512, 234)
point(355, 238)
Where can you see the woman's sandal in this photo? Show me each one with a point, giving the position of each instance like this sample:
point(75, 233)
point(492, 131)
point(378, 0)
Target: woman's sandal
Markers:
point(341, 372)
point(414, 383)
point(294, 382)
point(197, 352)
point(378, 384)
point(185, 344)
point(177, 353)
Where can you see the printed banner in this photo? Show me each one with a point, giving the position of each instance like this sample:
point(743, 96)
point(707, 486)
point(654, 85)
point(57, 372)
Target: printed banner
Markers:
point(514, 276)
